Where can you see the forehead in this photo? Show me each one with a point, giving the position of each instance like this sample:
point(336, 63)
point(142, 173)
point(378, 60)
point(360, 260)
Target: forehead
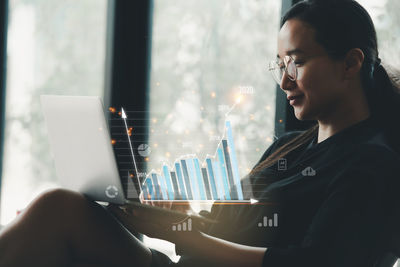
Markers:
point(297, 37)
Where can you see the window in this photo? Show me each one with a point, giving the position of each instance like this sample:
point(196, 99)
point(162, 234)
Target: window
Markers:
point(387, 24)
point(205, 56)
point(54, 47)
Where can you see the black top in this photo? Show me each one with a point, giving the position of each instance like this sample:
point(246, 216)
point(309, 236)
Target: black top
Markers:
point(331, 203)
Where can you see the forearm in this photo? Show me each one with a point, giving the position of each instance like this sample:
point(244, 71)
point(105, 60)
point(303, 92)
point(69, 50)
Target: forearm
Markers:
point(223, 252)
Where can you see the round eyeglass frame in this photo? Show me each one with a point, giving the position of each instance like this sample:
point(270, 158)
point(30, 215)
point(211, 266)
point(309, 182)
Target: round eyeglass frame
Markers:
point(278, 68)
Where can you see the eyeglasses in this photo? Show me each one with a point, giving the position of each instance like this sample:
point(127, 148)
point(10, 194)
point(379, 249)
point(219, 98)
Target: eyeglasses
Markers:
point(278, 68)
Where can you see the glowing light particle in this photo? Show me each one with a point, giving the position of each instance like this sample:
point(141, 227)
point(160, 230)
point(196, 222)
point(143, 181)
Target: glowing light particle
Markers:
point(130, 131)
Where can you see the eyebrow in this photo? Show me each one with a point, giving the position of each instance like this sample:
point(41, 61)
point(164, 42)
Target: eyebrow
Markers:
point(293, 51)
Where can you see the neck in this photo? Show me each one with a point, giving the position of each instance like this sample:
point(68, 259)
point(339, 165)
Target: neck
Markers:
point(343, 117)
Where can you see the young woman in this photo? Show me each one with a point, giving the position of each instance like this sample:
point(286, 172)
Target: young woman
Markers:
point(333, 203)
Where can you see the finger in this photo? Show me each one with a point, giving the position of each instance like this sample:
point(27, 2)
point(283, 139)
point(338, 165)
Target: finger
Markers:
point(141, 197)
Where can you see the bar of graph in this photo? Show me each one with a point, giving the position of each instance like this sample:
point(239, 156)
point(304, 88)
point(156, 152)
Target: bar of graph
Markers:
point(216, 178)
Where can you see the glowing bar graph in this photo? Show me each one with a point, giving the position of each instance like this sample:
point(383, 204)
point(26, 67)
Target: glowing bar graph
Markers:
point(199, 179)
point(156, 186)
point(217, 178)
point(235, 167)
point(146, 194)
point(222, 166)
point(175, 184)
point(163, 187)
point(182, 188)
point(211, 178)
point(187, 179)
point(206, 183)
point(150, 188)
point(228, 167)
point(192, 175)
point(167, 178)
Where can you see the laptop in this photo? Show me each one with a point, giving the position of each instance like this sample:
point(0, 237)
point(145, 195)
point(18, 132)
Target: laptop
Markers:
point(84, 156)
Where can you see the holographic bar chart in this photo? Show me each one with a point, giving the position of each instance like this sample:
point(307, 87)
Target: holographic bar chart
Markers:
point(216, 178)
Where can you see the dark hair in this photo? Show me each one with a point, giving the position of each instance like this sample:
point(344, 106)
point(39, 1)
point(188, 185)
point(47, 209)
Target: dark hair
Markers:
point(341, 25)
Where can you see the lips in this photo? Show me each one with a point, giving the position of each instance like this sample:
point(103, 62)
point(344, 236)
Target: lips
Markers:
point(291, 97)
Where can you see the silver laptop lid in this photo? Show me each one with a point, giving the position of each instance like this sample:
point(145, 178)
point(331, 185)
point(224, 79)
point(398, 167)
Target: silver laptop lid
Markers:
point(81, 144)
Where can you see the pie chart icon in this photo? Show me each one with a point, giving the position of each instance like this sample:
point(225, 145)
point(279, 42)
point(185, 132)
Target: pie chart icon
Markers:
point(144, 150)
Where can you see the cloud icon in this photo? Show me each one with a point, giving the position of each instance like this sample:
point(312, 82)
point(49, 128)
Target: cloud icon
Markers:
point(308, 171)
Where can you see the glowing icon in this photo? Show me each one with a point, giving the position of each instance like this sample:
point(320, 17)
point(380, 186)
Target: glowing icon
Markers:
point(282, 164)
point(144, 150)
point(308, 171)
point(269, 222)
point(185, 225)
point(111, 191)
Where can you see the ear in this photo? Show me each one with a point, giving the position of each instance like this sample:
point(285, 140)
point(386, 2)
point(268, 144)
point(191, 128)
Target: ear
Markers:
point(353, 62)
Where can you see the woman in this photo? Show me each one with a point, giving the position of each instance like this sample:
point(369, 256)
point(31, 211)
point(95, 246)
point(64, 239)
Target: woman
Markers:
point(334, 199)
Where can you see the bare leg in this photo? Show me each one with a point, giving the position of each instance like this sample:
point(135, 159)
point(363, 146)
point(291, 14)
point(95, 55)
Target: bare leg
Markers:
point(62, 228)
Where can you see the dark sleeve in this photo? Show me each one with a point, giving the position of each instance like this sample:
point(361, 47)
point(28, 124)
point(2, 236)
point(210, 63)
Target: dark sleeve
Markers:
point(346, 229)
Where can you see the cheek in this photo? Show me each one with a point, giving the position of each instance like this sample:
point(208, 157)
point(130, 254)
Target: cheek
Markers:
point(319, 85)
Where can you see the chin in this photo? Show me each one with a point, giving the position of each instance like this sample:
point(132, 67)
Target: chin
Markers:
point(302, 115)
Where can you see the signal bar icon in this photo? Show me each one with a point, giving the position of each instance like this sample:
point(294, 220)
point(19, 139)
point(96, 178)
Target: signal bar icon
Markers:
point(184, 226)
point(269, 222)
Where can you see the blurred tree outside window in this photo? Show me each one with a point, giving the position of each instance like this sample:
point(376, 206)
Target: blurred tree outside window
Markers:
point(54, 47)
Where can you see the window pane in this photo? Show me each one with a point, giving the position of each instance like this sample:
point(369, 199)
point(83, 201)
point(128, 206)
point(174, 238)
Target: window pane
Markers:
point(54, 47)
point(387, 24)
point(205, 55)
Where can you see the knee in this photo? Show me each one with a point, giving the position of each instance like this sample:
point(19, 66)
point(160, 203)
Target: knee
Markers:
point(56, 203)
point(61, 198)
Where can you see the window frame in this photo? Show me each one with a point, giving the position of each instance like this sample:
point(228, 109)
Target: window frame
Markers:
point(3, 62)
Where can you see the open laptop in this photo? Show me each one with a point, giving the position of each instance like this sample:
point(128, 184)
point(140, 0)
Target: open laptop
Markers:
point(81, 143)
point(84, 157)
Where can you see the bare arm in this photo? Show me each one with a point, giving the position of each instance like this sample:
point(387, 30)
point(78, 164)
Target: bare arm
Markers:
point(228, 253)
point(195, 243)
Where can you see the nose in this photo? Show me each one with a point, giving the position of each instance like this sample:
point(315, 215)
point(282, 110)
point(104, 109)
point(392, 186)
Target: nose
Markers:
point(286, 83)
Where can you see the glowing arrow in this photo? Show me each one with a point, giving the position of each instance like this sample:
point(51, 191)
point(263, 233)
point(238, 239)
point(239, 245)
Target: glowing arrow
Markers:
point(124, 117)
point(252, 201)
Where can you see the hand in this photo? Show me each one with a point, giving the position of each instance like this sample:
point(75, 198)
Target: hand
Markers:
point(135, 221)
point(181, 206)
